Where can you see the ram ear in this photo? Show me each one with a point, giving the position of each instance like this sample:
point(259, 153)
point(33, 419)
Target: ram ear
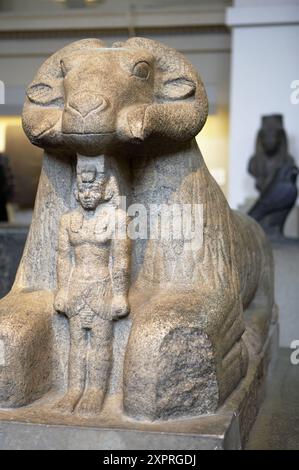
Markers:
point(44, 94)
point(177, 89)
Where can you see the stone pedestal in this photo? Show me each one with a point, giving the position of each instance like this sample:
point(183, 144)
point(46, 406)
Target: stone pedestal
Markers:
point(38, 427)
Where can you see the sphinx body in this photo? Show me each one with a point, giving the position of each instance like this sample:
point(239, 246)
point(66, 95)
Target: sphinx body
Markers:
point(183, 347)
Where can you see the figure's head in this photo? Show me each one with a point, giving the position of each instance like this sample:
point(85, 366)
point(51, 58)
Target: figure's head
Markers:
point(90, 189)
point(272, 134)
point(94, 184)
point(88, 98)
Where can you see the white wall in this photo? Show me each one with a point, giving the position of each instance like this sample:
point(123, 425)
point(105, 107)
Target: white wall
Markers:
point(264, 62)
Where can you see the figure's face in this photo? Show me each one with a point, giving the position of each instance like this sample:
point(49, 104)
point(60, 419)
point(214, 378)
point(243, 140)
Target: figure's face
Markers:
point(91, 190)
point(270, 139)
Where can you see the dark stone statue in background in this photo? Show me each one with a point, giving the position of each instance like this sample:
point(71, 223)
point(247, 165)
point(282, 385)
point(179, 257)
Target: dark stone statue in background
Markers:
point(271, 151)
point(276, 201)
point(276, 176)
point(6, 187)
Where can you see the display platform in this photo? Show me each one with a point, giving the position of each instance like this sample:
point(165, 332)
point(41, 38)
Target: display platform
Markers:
point(39, 427)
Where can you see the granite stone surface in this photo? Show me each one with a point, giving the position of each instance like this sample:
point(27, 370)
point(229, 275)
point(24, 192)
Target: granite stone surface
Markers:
point(120, 316)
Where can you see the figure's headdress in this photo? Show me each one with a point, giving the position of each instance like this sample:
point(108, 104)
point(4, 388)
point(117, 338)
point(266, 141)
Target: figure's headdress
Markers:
point(91, 167)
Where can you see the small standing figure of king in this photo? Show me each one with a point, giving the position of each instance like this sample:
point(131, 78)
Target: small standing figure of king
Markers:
point(93, 269)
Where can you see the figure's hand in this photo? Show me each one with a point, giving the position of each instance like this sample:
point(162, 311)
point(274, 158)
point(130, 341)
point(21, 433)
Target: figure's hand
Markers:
point(60, 301)
point(119, 306)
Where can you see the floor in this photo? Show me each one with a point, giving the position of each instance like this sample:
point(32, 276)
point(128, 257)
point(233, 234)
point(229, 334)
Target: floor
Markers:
point(277, 424)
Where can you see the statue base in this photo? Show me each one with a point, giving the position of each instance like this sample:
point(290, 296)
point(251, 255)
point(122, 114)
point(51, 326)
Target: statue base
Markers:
point(39, 427)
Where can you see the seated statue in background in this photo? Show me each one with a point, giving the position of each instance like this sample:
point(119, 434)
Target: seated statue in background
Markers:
point(271, 151)
point(276, 202)
point(276, 176)
point(88, 294)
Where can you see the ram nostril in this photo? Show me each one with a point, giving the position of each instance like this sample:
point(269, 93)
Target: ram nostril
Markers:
point(85, 103)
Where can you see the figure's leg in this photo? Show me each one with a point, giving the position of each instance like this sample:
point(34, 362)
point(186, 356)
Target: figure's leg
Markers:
point(76, 366)
point(99, 362)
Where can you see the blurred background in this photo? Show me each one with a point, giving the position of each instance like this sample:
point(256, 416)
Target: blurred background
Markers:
point(245, 50)
point(247, 53)
point(31, 30)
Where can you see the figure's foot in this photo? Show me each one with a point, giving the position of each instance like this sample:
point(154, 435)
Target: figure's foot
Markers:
point(68, 402)
point(91, 403)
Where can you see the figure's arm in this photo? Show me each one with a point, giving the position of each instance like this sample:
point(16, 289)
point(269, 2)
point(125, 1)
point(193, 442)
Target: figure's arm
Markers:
point(63, 267)
point(252, 166)
point(120, 267)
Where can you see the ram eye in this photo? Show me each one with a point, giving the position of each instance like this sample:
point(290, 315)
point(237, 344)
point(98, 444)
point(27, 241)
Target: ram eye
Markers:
point(141, 70)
